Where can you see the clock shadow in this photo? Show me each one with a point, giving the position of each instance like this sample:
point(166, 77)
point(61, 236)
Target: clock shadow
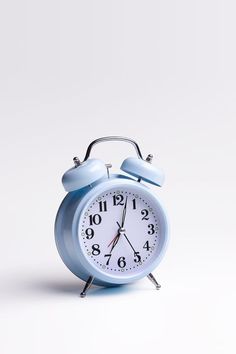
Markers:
point(75, 287)
point(111, 290)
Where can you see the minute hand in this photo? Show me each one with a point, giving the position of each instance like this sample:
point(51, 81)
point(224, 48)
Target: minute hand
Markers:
point(124, 214)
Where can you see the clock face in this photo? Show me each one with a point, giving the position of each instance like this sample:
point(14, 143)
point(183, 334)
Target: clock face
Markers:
point(120, 230)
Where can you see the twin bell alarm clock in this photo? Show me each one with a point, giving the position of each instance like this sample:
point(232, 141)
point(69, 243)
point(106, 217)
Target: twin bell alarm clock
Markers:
point(111, 229)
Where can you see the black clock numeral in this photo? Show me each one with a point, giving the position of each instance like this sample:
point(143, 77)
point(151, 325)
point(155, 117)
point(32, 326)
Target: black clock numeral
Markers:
point(137, 258)
point(121, 262)
point(134, 203)
point(96, 249)
point(152, 230)
point(102, 206)
point(89, 233)
point(146, 246)
point(118, 199)
point(109, 257)
point(145, 213)
point(95, 219)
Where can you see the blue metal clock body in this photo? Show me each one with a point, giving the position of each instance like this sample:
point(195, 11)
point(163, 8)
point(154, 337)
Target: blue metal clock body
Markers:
point(111, 229)
point(68, 239)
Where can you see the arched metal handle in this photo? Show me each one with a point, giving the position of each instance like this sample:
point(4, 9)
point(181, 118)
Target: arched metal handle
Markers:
point(112, 138)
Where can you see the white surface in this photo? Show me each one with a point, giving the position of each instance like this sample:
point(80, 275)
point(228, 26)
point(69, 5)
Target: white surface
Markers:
point(164, 74)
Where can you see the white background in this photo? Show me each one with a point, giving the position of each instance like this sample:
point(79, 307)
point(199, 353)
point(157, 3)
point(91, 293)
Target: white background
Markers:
point(163, 73)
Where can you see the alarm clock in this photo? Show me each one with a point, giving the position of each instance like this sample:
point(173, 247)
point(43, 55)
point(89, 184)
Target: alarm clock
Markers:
point(111, 229)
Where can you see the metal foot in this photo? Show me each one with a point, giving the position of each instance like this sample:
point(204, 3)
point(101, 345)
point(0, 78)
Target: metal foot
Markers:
point(153, 280)
point(87, 286)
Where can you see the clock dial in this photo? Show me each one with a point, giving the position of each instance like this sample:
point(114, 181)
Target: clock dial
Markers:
point(119, 231)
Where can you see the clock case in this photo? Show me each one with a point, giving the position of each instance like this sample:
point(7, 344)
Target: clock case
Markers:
point(85, 181)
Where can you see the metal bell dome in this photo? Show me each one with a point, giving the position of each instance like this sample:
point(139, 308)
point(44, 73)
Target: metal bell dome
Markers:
point(83, 174)
point(143, 169)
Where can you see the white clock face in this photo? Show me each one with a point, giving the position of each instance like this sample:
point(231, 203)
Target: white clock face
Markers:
point(120, 229)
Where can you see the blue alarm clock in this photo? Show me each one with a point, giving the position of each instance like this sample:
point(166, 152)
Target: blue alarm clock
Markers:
point(111, 229)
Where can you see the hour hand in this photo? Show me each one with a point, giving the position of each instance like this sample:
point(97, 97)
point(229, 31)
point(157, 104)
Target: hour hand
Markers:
point(116, 239)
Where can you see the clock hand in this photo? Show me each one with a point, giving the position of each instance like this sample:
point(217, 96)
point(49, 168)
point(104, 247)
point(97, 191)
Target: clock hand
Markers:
point(127, 239)
point(120, 231)
point(115, 242)
point(116, 238)
point(112, 241)
point(124, 213)
point(130, 243)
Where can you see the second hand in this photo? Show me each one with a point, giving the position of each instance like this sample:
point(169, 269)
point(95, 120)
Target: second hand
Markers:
point(127, 240)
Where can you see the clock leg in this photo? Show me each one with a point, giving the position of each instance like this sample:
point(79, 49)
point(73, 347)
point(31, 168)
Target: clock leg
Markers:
point(87, 286)
point(153, 280)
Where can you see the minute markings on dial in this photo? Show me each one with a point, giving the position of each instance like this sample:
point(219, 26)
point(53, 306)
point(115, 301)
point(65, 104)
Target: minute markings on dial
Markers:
point(96, 229)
